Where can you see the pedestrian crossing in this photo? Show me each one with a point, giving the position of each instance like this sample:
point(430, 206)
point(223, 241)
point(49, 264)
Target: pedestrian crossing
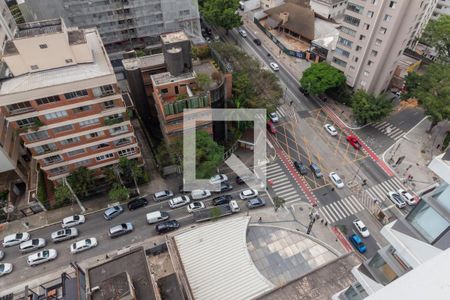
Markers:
point(352, 204)
point(281, 183)
point(388, 129)
point(285, 111)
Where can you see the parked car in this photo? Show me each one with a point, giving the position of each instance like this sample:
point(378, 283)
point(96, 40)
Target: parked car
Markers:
point(248, 194)
point(256, 202)
point(331, 129)
point(361, 228)
point(242, 33)
point(15, 239)
point(83, 245)
point(274, 66)
point(73, 221)
point(271, 128)
point(224, 199)
point(225, 187)
point(274, 117)
point(353, 140)
point(257, 42)
point(316, 170)
point(5, 268)
point(64, 234)
point(219, 178)
point(162, 195)
point(113, 212)
point(179, 201)
point(32, 245)
point(200, 194)
point(120, 229)
point(410, 199)
point(336, 180)
point(167, 226)
point(137, 203)
point(397, 199)
point(196, 205)
point(42, 257)
point(234, 206)
point(303, 91)
point(357, 243)
point(156, 216)
point(300, 167)
point(2, 254)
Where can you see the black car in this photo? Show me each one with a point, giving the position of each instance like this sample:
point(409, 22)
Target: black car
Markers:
point(225, 199)
point(300, 167)
point(137, 203)
point(303, 91)
point(257, 42)
point(225, 187)
point(167, 226)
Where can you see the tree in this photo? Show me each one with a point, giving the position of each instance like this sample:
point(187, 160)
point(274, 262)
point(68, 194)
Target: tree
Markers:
point(368, 108)
point(411, 83)
point(320, 77)
point(209, 155)
point(62, 193)
point(278, 202)
point(203, 81)
point(81, 181)
point(118, 193)
point(221, 13)
point(130, 168)
point(437, 35)
point(110, 175)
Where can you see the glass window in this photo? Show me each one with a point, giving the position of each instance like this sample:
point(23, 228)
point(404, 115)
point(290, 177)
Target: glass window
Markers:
point(76, 152)
point(352, 20)
point(342, 52)
point(118, 130)
point(94, 134)
point(81, 109)
point(374, 53)
point(47, 100)
point(82, 163)
point(36, 136)
point(102, 91)
point(348, 31)
point(126, 152)
point(59, 170)
point(345, 42)
point(99, 146)
point(339, 62)
point(19, 107)
point(53, 159)
point(70, 141)
point(392, 4)
point(45, 148)
point(27, 122)
point(378, 42)
point(108, 104)
point(123, 141)
point(62, 128)
point(89, 122)
point(106, 156)
point(427, 221)
point(76, 94)
point(355, 8)
point(387, 18)
point(370, 14)
point(56, 115)
point(383, 30)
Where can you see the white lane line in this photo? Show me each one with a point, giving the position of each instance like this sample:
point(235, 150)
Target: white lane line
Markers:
point(379, 124)
point(292, 197)
point(347, 206)
point(277, 186)
point(275, 173)
point(391, 185)
point(284, 189)
point(284, 195)
point(396, 180)
point(339, 204)
point(338, 210)
point(325, 215)
point(328, 213)
point(357, 203)
point(332, 212)
point(353, 206)
point(276, 181)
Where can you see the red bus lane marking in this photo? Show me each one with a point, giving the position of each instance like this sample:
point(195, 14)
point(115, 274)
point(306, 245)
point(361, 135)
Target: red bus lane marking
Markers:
point(340, 236)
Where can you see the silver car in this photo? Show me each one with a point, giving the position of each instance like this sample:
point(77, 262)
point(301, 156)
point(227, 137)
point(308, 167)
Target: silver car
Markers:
point(397, 199)
point(15, 239)
point(162, 195)
point(32, 245)
point(113, 212)
point(121, 229)
point(64, 234)
point(41, 257)
point(5, 269)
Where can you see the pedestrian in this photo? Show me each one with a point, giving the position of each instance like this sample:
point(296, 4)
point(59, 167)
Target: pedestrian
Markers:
point(292, 102)
point(260, 220)
point(439, 145)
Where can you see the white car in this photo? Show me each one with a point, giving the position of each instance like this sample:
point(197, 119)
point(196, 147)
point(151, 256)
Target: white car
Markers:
point(15, 239)
point(73, 221)
point(337, 181)
point(274, 66)
point(397, 199)
point(5, 269)
point(83, 245)
point(330, 129)
point(41, 257)
point(407, 197)
point(219, 178)
point(200, 194)
point(179, 201)
point(248, 194)
point(242, 33)
point(32, 245)
point(274, 117)
point(362, 229)
point(64, 234)
point(162, 195)
point(195, 206)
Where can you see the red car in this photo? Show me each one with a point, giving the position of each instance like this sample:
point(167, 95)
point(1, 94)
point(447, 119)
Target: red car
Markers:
point(271, 127)
point(353, 140)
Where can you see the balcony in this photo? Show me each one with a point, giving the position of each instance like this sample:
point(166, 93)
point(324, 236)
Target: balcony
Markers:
point(19, 111)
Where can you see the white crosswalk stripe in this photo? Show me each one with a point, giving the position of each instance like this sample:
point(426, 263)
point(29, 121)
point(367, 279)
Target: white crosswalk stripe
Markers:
point(281, 183)
point(388, 129)
point(351, 205)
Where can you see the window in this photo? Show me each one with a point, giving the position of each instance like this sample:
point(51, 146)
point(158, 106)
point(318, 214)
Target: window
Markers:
point(164, 91)
point(355, 59)
point(27, 122)
point(53, 159)
point(82, 163)
point(62, 128)
point(378, 42)
point(374, 2)
point(342, 52)
point(94, 134)
point(76, 152)
point(108, 104)
point(19, 107)
point(370, 63)
point(59, 170)
point(392, 4)
point(387, 18)
point(36, 136)
point(176, 90)
point(102, 91)
point(362, 37)
point(370, 14)
point(69, 61)
point(185, 12)
point(45, 148)
point(113, 117)
point(355, 8)
point(100, 146)
point(374, 53)
point(121, 142)
point(34, 67)
point(81, 109)
point(76, 94)
point(366, 26)
point(70, 141)
point(126, 152)
point(339, 62)
point(363, 83)
point(103, 157)
point(348, 31)
point(383, 30)
point(47, 100)
point(366, 73)
point(350, 20)
point(358, 48)
point(345, 42)
point(118, 130)
point(43, 46)
point(56, 115)
point(89, 122)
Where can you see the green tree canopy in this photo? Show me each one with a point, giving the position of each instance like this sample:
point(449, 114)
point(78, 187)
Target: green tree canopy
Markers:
point(118, 193)
point(209, 155)
point(278, 202)
point(320, 77)
point(203, 81)
point(368, 108)
point(437, 35)
point(62, 193)
point(221, 13)
point(81, 181)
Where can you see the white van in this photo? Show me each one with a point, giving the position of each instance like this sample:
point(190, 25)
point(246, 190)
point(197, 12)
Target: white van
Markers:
point(234, 206)
point(157, 216)
point(200, 194)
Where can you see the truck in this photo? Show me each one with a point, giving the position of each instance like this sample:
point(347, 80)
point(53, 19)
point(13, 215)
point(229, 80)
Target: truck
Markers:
point(211, 213)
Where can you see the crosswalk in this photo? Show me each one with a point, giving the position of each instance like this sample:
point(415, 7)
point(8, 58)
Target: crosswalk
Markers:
point(388, 129)
point(351, 205)
point(281, 183)
point(285, 111)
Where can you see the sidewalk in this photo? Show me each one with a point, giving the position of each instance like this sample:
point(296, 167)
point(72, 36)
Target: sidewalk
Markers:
point(411, 155)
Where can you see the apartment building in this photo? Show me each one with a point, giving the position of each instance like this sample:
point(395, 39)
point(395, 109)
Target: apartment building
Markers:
point(7, 24)
point(414, 240)
point(442, 8)
point(373, 36)
point(61, 100)
point(329, 9)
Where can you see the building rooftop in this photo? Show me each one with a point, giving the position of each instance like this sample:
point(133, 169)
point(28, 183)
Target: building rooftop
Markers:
point(134, 264)
point(166, 77)
point(174, 37)
point(143, 62)
point(326, 34)
point(116, 287)
point(37, 28)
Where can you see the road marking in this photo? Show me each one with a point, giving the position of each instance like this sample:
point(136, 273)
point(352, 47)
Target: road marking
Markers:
point(286, 194)
point(347, 205)
point(284, 189)
point(357, 203)
point(292, 197)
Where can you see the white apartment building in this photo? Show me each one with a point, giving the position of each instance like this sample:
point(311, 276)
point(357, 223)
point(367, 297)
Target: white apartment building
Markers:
point(373, 35)
point(329, 9)
point(442, 8)
point(7, 24)
point(61, 101)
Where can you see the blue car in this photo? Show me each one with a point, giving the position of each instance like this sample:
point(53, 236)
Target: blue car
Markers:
point(358, 243)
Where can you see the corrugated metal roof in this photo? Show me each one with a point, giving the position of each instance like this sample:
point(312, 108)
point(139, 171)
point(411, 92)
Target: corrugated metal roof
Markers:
point(217, 262)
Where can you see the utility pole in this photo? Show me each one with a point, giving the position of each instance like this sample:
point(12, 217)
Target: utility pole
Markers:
point(312, 218)
point(83, 209)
